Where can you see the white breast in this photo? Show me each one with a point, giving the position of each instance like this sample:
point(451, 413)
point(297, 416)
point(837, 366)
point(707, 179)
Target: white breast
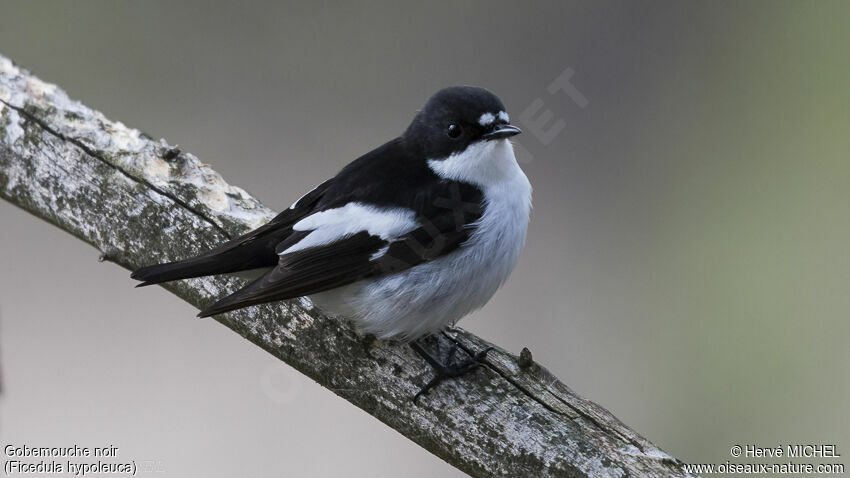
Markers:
point(428, 297)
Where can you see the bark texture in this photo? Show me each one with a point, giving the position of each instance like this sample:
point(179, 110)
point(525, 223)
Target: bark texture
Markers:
point(140, 201)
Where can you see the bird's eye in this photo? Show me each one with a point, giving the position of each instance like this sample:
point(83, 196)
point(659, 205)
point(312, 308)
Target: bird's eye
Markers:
point(454, 131)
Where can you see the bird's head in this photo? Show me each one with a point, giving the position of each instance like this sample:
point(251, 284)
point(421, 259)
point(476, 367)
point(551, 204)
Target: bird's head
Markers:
point(458, 117)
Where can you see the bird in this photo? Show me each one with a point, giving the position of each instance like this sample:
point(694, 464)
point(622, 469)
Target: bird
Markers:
point(404, 241)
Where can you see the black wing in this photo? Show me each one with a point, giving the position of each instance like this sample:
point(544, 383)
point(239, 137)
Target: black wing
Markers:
point(253, 250)
point(451, 219)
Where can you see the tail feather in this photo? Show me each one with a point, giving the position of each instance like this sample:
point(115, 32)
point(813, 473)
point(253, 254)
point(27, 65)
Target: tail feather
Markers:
point(234, 260)
point(254, 250)
point(196, 267)
point(251, 251)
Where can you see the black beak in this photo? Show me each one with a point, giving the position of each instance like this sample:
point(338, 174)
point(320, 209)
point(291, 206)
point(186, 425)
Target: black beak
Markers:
point(502, 131)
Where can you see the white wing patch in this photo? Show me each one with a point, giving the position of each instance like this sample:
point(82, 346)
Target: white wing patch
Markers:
point(486, 118)
point(380, 253)
point(334, 224)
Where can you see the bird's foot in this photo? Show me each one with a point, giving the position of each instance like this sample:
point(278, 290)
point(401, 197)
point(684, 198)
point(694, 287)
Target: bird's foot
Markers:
point(448, 369)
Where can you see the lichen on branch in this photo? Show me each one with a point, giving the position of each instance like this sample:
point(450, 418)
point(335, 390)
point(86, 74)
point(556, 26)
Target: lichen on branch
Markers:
point(141, 201)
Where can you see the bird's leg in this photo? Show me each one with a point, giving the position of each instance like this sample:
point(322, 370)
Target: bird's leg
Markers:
point(448, 369)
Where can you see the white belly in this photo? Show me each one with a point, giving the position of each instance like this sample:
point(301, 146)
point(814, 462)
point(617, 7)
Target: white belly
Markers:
point(428, 297)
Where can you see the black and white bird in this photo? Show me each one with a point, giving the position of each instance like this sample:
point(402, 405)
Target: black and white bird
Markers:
point(404, 241)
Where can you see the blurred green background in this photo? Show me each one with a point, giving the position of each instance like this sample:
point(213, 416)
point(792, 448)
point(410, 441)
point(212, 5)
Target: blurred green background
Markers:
point(687, 264)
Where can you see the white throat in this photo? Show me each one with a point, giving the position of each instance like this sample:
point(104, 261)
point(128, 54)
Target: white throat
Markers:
point(485, 164)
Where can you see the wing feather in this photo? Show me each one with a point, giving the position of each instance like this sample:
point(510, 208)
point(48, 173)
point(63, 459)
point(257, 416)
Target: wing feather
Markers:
point(353, 257)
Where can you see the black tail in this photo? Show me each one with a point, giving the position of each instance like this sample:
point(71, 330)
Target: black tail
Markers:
point(251, 251)
point(195, 267)
point(217, 261)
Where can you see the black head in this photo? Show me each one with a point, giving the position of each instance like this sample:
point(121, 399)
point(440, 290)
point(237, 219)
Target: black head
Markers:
point(456, 117)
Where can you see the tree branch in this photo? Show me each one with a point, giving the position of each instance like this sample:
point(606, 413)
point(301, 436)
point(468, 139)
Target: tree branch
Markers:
point(139, 202)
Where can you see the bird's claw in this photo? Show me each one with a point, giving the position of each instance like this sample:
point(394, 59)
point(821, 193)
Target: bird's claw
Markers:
point(448, 369)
